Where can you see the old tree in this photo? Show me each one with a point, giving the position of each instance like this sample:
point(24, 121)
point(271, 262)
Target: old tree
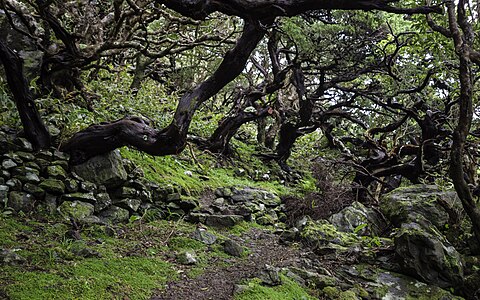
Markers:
point(390, 84)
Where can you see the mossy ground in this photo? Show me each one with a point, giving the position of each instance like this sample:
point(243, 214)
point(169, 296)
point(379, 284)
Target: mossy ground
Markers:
point(288, 290)
point(139, 258)
point(130, 261)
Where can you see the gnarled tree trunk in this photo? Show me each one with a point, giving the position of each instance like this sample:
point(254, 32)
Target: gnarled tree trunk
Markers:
point(33, 126)
point(98, 139)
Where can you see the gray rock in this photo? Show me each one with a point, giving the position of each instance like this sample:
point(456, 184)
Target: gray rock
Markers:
point(204, 236)
point(71, 185)
point(24, 144)
point(224, 192)
point(51, 203)
point(3, 194)
point(44, 154)
point(216, 220)
point(76, 209)
point(270, 275)
point(125, 192)
point(425, 252)
point(115, 214)
point(223, 220)
point(25, 156)
point(35, 190)
point(382, 284)
point(87, 186)
point(26, 174)
point(84, 197)
point(14, 184)
point(173, 197)
point(129, 203)
point(405, 205)
point(8, 164)
point(311, 278)
point(58, 155)
point(103, 201)
point(42, 163)
point(53, 186)
point(56, 172)
point(13, 156)
point(359, 219)
point(187, 258)
point(187, 204)
point(219, 202)
point(5, 174)
point(106, 169)
point(20, 201)
point(61, 163)
point(33, 165)
point(233, 248)
point(270, 218)
point(9, 257)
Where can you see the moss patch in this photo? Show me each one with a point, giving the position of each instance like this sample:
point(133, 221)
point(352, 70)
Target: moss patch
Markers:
point(119, 278)
point(289, 290)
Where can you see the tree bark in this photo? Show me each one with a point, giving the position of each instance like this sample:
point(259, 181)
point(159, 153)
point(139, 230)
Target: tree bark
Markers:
point(221, 137)
point(200, 9)
point(33, 126)
point(132, 131)
point(462, 46)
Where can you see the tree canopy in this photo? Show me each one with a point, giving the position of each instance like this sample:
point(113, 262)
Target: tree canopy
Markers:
point(391, 85)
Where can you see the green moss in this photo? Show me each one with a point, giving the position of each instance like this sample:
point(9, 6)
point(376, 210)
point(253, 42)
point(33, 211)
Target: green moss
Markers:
point(170, 170)
point(331, 292)
point(323, 232)
point(9, 227)
point(185, 243)
point(132, 278)
point(289, 290)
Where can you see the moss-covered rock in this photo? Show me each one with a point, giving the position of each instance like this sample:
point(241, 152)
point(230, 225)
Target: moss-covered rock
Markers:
point(20, 201)
point(115, 214)
point(321, 233)
point(359, 219)
point(77, 210)
point(53, 186)
point(35, 190)
point(404, 205)
point(106, 169)
point(428, 254)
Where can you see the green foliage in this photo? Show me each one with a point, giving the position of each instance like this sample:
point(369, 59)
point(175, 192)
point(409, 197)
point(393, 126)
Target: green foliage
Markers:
point(131, 277)
point(8, 111)
point(289, 290)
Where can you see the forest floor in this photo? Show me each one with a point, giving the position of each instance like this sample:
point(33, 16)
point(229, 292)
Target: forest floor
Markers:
point(220, 281)
point(139, 260)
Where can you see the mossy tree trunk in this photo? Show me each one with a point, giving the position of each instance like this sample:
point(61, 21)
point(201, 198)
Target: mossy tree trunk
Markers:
point(33, 126)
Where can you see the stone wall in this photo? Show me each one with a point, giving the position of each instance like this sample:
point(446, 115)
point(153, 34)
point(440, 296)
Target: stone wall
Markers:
point(110, 189)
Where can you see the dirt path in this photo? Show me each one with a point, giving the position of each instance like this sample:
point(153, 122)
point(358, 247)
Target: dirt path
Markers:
point(218, 283)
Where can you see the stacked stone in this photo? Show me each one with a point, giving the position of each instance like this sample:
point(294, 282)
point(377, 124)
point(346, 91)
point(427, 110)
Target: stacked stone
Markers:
point(233, 205)
point(105, 189)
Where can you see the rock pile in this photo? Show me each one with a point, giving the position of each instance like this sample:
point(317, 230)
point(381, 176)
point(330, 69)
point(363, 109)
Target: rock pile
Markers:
point(232, 205)
point(105, 189)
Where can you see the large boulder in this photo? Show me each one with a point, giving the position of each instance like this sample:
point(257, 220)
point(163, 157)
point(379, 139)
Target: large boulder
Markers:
point(378, 283)
point(359, 219)
point(106, 169)
point(405, 205)
point(426, 253)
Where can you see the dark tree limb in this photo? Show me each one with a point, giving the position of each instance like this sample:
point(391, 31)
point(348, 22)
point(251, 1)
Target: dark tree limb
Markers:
point(33, 126)
point(200, 9)
point(98, 139)
point(463, 40)
point(220, 139)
